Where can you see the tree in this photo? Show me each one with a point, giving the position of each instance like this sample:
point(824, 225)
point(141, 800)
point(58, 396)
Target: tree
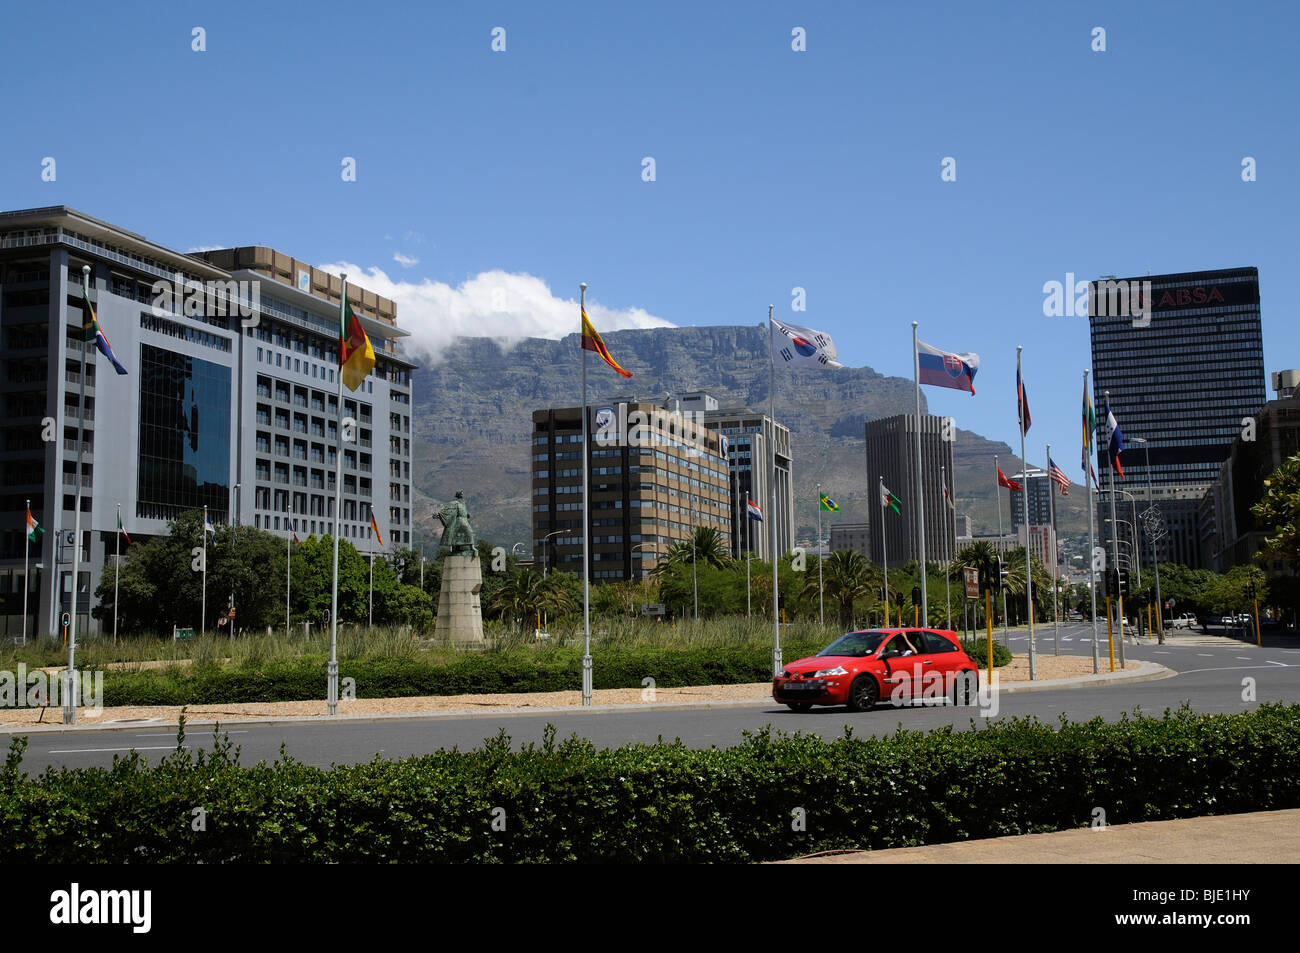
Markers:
point(846, 578)
point(524, 595)
point(705, 545)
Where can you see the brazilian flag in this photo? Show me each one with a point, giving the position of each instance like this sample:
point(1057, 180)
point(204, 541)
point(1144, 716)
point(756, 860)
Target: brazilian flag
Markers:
point(827, 503)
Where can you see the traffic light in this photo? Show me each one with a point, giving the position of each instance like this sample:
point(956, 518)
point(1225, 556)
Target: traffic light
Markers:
point(1124, 584)
point(916, 595)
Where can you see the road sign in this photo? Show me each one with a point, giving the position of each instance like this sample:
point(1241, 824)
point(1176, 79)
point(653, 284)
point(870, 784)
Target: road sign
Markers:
point(971, 576)
point(1169, 603)
point(653, 608)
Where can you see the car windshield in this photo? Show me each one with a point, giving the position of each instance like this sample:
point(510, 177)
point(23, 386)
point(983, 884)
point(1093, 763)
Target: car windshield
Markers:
point(855, 643)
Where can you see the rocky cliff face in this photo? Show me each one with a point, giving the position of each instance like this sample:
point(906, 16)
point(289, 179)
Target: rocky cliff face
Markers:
point(472, 419)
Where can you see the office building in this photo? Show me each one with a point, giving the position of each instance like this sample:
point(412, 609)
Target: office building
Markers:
point(891, 456)
point(655, 475)
point(1183, 360)
point(1036, 493)
point(750, 438)
point(851, 536)
point(1231, 535)
point(229, 399)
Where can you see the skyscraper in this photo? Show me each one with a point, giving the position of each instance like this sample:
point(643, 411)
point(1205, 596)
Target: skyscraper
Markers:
point(891, 455)
point(1184, 364)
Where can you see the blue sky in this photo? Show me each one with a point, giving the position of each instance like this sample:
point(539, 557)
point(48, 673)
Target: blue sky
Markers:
point(522, 170)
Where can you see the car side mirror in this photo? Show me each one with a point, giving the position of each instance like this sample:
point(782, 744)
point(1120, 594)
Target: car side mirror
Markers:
point(890, 654)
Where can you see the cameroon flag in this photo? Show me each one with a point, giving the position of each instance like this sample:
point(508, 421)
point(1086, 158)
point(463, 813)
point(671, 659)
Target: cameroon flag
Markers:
point(356, 356)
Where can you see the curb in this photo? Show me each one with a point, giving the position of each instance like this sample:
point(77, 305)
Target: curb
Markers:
point(1145, 672)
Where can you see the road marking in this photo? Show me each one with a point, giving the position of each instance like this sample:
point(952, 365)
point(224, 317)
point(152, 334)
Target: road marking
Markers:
point(172, 734)
point(1243, 658)
point(88, 750)
point(1283, 664)
point(1162, 653)
point(1230, 668)
point(1205, 654)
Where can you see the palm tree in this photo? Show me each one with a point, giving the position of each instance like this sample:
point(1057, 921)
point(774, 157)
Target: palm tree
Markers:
point(527, 594)
point(847, 577)
point(705, 544)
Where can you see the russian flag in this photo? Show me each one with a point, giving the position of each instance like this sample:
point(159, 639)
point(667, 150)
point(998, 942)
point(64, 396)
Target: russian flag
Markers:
point(946, 369)
point(755, 511)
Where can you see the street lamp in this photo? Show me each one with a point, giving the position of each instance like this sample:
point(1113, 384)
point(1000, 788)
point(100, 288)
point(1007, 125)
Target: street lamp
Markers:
point(544, 539)
point(1155, 556)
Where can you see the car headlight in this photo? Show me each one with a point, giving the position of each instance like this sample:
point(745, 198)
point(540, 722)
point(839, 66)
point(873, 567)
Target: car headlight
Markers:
point(783, 674)
point(837, 670)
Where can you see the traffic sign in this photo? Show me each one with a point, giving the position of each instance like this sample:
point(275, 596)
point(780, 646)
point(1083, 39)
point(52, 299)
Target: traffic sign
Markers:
point(971, 577)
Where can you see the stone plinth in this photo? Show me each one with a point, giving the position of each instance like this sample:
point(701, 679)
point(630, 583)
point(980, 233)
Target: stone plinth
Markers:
point(460, 617)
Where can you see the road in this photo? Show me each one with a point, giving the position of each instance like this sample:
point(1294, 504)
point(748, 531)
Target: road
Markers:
point(1211, 677)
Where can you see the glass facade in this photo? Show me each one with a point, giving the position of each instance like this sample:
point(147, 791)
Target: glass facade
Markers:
point(184, 434)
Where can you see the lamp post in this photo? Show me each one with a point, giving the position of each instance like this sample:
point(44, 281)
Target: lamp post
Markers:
point(544, 539)
point(821, 594)
point(1155, 555)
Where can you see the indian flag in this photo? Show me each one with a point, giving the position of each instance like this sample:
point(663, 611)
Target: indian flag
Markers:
point(356, 356)
point(34, 529)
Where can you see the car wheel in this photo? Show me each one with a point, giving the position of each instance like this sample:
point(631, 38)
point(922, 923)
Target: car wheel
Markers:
point(965, 687)
point(863, 693)
point(798, 706)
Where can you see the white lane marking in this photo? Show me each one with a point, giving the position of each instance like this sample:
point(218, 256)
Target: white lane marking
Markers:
point(87, 750)
point(1205, 654)
point(1162, 653)
point(240, 731)
point(1283, 664)
point(1243, 658)
point(1230, 668)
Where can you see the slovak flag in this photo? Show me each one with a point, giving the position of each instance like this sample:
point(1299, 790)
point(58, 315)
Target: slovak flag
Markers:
point(946, 369)
point(755, 511)
point(1115, 441)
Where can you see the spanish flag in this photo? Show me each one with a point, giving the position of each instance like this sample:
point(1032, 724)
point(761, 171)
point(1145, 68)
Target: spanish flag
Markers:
point(356, 356)
point(591, 341)
point(374, 527)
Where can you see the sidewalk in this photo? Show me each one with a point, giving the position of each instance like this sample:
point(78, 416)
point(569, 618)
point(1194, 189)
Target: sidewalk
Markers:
point(1268, 837)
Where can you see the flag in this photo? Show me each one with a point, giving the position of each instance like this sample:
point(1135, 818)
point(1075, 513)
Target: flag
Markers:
point(1089, 428)
point(121, 529)
point(722, 446)
point(946, 369)
point(91, 331)
point(1115, 441)
point(1010, 484)
point(1022, 402)
point(592, 341)
point(356, 356)
point(1093, 473)
point(791, 344)
point(948, 497)
point(1061, 479)
point(34, 529)
point(826, 503)
point(374, 527)
point(888, 500)
point(755, 511)
point(209, 528)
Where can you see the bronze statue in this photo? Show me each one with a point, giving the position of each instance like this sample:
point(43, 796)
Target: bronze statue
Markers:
point(457, 534)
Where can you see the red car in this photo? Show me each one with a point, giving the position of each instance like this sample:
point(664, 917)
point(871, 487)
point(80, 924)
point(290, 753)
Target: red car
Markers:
point(902, 666)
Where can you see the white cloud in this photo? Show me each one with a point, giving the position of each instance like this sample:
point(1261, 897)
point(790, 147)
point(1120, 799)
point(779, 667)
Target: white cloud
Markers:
point(406, 261)
point(199, 248)
point(495, 304)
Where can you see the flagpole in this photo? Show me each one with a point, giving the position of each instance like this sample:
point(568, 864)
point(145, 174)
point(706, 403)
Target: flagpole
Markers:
point(1006, 638)
point(586, 522)
point(203, 606)
point(947, 588)
point(821, 594)
point(1114, 527)
point(748, 607)
point(70, 709)
point(1056, 611)
point(27, 548)
point(884, 547)
point(332, 672)
point(1092, 541)
point(117, 568)
point(288, 556)
point(370, 618)
point(920, 495)
point(771, 512)
point(1029, 579)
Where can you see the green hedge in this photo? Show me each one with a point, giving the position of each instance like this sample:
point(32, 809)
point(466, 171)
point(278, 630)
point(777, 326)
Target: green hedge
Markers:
point(977, 649)
point(491, 673)
point(658, 803)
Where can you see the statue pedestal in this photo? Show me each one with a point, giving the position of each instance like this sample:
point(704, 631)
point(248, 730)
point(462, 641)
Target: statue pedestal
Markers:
point(460, 617)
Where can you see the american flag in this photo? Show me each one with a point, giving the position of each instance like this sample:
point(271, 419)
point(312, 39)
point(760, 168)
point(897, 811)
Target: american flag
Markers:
point(1061, 479)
